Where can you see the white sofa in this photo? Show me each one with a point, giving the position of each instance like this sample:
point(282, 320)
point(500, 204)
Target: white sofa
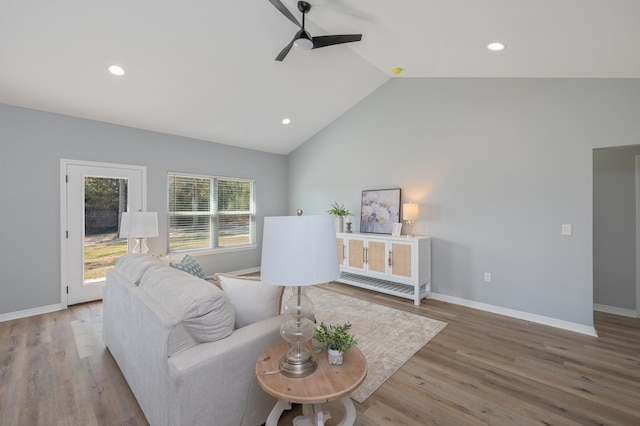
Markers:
point(172, 335)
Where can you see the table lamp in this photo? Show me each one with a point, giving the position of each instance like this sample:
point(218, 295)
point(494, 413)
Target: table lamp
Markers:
point(410, 213)
point(298, 251)
point(139, 225)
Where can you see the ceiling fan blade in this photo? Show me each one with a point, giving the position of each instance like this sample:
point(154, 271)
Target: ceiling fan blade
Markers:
point(330, 40)
point(287, 48)
point(285, 51)
point(283, 9)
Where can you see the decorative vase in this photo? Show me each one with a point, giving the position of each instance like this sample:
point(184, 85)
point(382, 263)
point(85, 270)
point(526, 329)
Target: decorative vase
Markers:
point(335, 357)
point(339, 223)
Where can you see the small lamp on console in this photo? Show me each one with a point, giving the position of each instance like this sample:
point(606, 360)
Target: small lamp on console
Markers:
point(139, 225)
point(299, 251)
point(410, 213)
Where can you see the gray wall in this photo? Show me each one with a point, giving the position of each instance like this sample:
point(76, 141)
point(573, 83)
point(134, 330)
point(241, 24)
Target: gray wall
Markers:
point(497, 166)
point(33, 143)
point(614, 226)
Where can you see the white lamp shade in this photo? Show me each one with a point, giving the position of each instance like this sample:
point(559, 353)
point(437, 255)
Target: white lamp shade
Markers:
point(139, 225)
point(299, 250)
point(410, 211)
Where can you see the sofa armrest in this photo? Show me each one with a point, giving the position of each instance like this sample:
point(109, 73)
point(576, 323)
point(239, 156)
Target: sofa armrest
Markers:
point(220, 376)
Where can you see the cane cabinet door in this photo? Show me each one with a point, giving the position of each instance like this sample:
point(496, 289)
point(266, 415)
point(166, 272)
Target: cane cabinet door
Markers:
point(400, 259)
point(356, 254)
point(376, 256)
point(341, 251)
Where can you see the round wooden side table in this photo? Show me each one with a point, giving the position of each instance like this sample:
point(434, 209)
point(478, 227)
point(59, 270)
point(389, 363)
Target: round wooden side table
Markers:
point(327, 383)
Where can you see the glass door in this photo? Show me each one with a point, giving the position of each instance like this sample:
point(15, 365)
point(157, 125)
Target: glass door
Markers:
point(105, 199)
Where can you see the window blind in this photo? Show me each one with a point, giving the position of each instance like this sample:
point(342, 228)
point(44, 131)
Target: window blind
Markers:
point(207, 212)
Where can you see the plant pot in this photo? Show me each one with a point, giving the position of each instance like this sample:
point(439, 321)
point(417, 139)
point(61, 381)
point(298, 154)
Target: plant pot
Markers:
point(335, 357)
point(339, 223)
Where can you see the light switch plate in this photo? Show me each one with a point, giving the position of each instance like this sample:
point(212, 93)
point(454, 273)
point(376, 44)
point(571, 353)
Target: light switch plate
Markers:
point(567, 229)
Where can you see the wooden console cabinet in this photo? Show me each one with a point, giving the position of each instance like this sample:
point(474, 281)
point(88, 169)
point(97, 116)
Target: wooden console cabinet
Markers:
point(400, 266)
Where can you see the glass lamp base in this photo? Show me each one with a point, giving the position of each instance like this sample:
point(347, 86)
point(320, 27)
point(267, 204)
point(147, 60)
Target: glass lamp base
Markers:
point(297, 364)
point(141, 246)
point(298, 361)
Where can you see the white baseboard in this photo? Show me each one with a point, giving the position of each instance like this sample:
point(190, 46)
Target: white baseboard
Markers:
point(31, 312)
point(614, 310)
point(540, 319)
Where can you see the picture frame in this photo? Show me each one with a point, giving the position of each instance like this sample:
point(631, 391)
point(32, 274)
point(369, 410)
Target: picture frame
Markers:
point(397, 229)
point(379, 210)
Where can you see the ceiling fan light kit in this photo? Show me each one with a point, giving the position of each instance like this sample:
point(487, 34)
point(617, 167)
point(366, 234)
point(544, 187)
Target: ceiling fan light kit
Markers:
point(303, 43)
point(303, 40)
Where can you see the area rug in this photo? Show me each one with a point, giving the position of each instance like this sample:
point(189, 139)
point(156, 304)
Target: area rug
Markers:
point(387, 337)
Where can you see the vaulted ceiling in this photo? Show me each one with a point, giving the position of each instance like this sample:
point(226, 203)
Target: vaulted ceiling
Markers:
point(206, 69)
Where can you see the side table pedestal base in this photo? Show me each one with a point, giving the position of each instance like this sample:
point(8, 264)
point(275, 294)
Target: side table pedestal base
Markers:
point(314, 415)
point(276, 412)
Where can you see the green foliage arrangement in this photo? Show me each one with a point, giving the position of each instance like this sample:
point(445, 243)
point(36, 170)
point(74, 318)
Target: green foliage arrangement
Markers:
point(336, 337)
point(338, 210)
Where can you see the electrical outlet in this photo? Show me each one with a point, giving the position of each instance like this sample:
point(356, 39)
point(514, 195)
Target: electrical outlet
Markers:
point(567, 229)
point(487, 277)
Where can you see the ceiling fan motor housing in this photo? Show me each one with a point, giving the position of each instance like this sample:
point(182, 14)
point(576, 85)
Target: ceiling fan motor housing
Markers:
point(303, 6)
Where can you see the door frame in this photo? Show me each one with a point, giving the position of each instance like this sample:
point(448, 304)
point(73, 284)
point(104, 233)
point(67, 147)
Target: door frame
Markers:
point(64, 256)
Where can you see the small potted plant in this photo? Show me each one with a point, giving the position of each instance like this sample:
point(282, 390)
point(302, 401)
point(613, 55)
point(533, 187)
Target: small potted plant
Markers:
point(336, 339)
point(339, 211)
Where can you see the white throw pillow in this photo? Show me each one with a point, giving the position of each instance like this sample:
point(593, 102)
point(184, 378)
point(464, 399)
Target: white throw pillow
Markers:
point(252, 299)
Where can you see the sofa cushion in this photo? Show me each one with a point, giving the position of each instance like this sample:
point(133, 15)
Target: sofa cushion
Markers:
point(190, 265)
point(252, 299)
point(204, 309)
point(133, 266)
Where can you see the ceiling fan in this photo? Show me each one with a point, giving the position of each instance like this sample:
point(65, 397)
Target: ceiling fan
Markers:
point(303, 40)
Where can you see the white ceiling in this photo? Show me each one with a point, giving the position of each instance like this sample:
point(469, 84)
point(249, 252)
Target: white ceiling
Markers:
point(206, 69)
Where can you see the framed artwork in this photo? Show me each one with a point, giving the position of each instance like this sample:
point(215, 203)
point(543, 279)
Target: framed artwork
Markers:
point(380, 209)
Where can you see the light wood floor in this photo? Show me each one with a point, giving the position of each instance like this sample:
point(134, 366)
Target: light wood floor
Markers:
point(481, 369)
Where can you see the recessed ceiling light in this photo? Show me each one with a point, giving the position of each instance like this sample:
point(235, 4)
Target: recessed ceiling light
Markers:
point(496, 47)
point(116, 70)
point(286, 120)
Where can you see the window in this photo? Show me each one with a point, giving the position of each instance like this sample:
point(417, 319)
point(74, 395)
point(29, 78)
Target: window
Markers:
point(207, 212)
